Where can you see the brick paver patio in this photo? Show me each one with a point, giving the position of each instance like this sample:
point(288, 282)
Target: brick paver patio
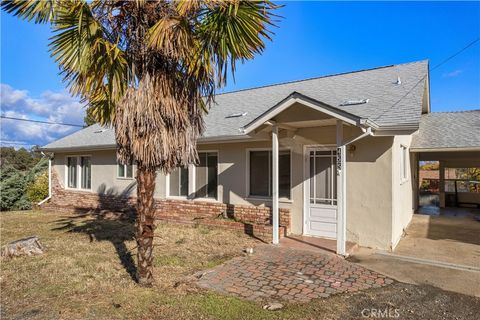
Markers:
point(290, 275)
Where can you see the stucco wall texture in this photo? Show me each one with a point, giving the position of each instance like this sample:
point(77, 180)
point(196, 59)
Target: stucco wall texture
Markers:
point(378, 206)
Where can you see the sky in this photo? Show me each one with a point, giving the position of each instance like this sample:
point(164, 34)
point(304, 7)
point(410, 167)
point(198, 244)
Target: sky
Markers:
point(312, 39)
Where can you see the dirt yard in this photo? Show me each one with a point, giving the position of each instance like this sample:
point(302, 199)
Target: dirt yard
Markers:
point(86, 273)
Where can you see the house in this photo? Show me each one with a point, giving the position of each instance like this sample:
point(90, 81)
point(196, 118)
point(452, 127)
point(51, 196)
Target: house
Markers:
point(334, 157)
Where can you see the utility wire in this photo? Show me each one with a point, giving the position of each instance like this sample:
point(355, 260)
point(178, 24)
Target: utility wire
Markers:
point(44, 122)
point(456, 54)
point(431, 69)
point(76, 125)
point(15, 142)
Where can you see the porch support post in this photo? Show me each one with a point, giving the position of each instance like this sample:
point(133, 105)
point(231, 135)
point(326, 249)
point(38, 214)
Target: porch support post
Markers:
point(275, 215)
point(191, 181)
point(341, 191)
point(441, 184)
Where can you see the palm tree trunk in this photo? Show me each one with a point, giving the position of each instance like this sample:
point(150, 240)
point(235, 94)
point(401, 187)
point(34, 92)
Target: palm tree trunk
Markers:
point(145, 226)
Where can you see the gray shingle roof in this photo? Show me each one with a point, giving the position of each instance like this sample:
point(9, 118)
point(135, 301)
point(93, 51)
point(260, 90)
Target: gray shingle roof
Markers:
point(92, 137)
point(444, 130)
point(389, 103)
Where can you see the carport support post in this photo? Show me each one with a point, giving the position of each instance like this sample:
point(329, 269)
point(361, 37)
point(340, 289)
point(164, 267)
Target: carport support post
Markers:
point(441, 185)
point(341, 190)
point(275, 218)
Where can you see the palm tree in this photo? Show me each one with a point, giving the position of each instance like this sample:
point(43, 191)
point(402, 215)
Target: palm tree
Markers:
point(150, 69)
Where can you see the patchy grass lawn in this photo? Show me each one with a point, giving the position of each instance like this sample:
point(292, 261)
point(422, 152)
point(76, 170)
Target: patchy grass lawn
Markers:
point(86, 274)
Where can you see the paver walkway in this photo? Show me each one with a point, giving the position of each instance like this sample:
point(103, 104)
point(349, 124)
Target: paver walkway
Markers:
point(291, 275)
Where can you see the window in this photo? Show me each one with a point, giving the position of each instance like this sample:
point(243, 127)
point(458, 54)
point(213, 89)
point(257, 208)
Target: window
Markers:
point(79, 168)
point(260, 183)
point(178, 183)
point(206, 175)
point(86, 171)
point(323, 180)
point(403, 164)
point(72, 172)
point(125, 171)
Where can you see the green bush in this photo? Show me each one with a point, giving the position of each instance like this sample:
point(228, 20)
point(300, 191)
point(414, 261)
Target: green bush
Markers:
point(11, 191)
point(38, 190)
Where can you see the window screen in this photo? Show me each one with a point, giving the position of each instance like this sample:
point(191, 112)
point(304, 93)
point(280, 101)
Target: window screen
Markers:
point(179, 182)
point(72, 172)
point(206, 175)
point(125, 170)
point(86, 172)
point(261, 174)
point(323, 180)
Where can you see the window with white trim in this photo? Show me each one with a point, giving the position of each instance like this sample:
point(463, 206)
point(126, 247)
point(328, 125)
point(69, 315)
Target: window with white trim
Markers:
point(260, 173)
point(125, 171)
point(178, 180)
point(72, 172)
point(403, 163)
point(86, 173)
point(79, 169)
point(206, 181)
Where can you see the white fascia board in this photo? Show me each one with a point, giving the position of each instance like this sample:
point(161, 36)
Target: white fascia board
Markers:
point(440, 149)
point(232, 139)
point(80, 148)
point(340, 115)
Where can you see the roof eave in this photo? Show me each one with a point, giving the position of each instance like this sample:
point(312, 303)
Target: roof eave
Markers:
point(78, 148)
point(443, 149)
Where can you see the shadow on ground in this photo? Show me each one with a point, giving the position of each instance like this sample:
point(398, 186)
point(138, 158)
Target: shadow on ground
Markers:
point(103, 224)
point(464, 228)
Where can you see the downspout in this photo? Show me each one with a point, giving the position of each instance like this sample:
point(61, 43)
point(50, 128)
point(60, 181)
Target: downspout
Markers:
point(49, 181)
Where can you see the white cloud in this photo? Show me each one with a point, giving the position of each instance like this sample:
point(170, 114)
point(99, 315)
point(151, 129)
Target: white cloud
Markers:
point(57, 107)
point(453, 73)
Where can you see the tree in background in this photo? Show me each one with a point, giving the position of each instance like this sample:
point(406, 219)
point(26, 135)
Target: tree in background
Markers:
point(429, 165)
point(151, 69)
point(18, 169)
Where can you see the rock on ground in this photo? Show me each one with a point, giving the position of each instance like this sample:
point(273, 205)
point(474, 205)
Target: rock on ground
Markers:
point(23, 247)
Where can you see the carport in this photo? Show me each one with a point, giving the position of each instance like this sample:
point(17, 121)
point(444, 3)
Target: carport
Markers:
point(446, 234)
point(452, 139)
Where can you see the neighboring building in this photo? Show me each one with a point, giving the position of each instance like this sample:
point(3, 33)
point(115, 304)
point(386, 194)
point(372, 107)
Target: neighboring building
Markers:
point(342, 144)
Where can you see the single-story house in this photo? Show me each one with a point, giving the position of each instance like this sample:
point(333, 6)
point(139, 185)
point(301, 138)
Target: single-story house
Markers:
point(326, 157)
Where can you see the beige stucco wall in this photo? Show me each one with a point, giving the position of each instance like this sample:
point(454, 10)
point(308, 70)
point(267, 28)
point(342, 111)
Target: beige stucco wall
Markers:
point(369, 192)
point(370, 195)
point(232, 169)
point(402, 190)
point(104, 174)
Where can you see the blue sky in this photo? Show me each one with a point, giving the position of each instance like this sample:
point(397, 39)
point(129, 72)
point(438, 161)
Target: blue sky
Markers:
point(313, 39)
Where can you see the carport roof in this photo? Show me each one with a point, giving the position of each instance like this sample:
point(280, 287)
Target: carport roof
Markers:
point(444, 131)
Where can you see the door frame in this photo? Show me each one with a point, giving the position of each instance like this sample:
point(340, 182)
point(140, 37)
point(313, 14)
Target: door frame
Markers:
point(306, 180)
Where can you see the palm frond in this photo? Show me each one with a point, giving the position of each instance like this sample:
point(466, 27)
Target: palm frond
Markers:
point(90, 63)
point(40, 11)
point(235, 30)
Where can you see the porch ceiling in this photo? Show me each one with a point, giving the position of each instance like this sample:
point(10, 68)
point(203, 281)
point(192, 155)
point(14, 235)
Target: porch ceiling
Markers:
point(299, 111)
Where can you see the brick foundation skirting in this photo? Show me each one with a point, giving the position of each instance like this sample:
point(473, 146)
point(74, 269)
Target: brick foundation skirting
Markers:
point(253, 220)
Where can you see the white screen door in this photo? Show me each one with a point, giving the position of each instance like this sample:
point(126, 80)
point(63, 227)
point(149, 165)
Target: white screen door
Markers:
point(321, 193)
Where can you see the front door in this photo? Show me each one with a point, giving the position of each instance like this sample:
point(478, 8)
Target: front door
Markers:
point(321, 193)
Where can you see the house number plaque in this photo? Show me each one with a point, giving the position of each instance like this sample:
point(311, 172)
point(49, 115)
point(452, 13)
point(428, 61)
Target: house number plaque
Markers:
point(339, 160)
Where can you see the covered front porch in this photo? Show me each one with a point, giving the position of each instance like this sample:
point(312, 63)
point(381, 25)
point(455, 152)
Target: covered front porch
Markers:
point(320, 193)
